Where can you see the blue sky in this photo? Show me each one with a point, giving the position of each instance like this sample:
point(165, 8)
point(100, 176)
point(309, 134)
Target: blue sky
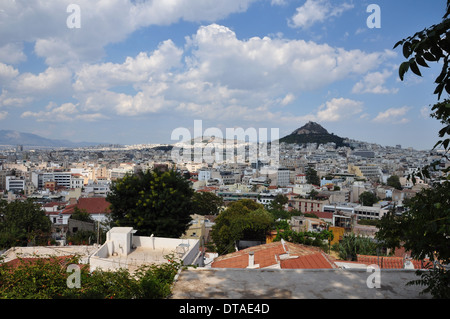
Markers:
point(134, 71)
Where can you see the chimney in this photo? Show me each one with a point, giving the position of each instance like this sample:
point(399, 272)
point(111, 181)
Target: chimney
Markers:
point(251, 261)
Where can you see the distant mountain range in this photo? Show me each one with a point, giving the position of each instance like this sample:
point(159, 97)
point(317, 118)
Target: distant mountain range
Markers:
point(14, 138)
point(312, 132)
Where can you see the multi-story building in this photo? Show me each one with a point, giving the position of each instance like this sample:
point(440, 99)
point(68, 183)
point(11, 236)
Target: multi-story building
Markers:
point(366, 171)
point(308, 205)
point(15, 184)
point(62, 179)
point(204, 175)
point(281, 177)
point(300, 179)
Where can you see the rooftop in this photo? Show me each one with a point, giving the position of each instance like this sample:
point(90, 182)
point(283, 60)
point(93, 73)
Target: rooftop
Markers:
point(92, 205)
point(283, 255)
point(212, 283)
point(48, 251)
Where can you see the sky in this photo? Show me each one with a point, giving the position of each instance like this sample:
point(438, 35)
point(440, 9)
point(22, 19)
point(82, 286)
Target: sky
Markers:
point(133, 71)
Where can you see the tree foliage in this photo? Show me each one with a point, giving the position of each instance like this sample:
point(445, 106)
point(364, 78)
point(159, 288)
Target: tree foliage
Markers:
point(206, 203)
point(352, 245)
point(424, 230)
point(82, 215)
point(23, 222)
point(46, 278)
point(394, 181)
point(317, 239)
point(243, 219)
point(152, 202)
point(312, 177)
point(368, 199)
point(432, 45)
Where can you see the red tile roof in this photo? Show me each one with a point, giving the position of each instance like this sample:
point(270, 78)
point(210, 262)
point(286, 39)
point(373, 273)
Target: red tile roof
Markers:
point(391, 262)
point(17, 262)
point(300, 257)
point(313, 261)
point(93, 205)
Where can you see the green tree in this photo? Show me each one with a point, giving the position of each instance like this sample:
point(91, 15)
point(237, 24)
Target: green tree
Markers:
point(243, 219)
point(82, 215)
point(424, 227)
point(278, 202)
point(311, 176)
point(351, 246)
point(46, 278)
point(276, 207)
point(368, 198)
point(317, 239)
point(313, 194)
point(432, 45)
point(206, 203)
point(152, 202)
point(394, 181)
point(23, 222)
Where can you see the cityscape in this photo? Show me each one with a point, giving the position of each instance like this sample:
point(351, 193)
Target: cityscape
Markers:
point(223, 155)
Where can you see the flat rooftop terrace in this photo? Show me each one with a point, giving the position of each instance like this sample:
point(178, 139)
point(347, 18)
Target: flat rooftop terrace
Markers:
point(139, 256)
point(48, 251)
point(202, 283)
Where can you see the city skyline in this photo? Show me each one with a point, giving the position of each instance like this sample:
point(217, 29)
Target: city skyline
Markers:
point(131, 72)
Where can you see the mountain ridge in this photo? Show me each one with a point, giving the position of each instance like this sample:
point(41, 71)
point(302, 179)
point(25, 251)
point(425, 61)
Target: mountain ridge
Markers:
point(14, 138)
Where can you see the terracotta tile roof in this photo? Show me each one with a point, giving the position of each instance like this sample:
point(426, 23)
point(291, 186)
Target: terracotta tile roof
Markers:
point(391, 262)
point(302, 257)
point(62, 260)
point(313, 261)
point(322, 215)
point(93, 205)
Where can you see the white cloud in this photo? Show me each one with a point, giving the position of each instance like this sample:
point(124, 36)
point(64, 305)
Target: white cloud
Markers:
point(374, 83)
point(393, 116)
point(220, 76)
point(314, 11)
point(288, 99)
point(425, 112)
point(66, 112)
point(12, 53)
point(7, 73)
point(215, 75)
point(102, 22)
point(278, 2)
point(133, 71)
point(3, 115)
point(51, 80)
point(293, 65)
point(338, 109)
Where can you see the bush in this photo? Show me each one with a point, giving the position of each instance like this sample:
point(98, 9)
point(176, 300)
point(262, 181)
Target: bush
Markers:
point(46, 278)
point(306, 238)
point(352, 245)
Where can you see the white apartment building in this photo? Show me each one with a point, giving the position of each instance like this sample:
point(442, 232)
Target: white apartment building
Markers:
point(99, 188)
point(281, 177)
point(119, 172)
point(61, 178)
point(204, 175)
point(15, 184)
point(300, 179)
point(77, 181)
